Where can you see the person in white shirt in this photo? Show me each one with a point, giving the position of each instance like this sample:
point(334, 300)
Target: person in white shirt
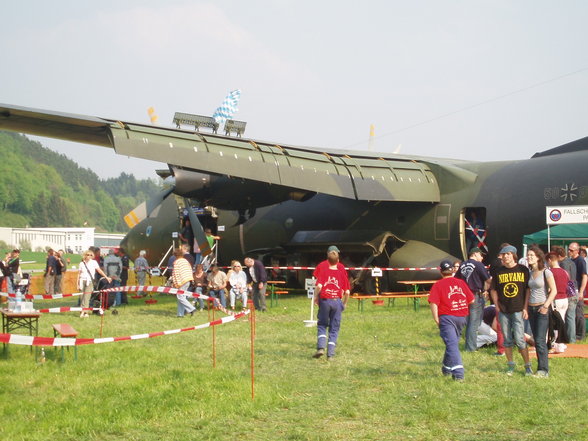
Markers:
point(86, 274)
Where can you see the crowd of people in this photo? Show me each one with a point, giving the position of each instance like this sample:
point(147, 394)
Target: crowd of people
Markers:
point(536, 300)
point(238, 284)
point(533, 301)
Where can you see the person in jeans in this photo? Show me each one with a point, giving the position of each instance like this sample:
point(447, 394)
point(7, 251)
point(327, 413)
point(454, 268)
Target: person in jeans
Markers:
point(331, 296)
point(449, 300)
point(582, 281)
point(510, 293)
point(473, 272)
point(181, 279)
point(217, 284)
point(542, 292)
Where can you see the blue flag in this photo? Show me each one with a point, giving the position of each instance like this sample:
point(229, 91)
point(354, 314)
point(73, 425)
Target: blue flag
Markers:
point(228, 107)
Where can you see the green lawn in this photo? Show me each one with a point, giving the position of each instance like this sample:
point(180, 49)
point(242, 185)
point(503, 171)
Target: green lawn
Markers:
point(385, 383)
point(36, 260)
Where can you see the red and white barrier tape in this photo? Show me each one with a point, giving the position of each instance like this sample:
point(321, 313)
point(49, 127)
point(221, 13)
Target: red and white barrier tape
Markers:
point(41, 296)
point(159, 289)
point(354, 268)
point(69, 309)
point(168, 290)
point(351, 268)
point(26, 340)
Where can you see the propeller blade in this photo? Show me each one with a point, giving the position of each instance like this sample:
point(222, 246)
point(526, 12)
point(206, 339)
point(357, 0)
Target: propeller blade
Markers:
point(147, 208)
point(198, 231)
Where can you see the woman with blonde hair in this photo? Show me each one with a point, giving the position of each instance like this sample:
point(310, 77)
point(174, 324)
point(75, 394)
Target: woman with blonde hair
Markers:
point(86, 275)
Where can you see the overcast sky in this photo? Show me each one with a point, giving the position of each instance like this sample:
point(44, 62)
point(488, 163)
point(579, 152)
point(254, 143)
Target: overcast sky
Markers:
point(487, 80)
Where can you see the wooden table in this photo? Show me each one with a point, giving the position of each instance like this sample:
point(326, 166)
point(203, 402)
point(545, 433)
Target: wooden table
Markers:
point(415, 284)
point(12, 321)
point(272, 284)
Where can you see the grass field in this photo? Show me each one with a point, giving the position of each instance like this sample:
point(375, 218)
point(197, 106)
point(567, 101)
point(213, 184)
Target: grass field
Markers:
point(36, 261)
point(385, 383)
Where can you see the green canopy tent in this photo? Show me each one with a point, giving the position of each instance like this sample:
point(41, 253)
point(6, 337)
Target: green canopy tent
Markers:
point(559, 234)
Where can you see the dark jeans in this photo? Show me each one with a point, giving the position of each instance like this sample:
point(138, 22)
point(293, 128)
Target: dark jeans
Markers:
point(219, 294)
point(539, 323)
point(329, 316)
point(580, 321)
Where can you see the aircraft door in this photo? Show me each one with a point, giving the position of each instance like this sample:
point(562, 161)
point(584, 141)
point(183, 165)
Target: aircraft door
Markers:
point(472, 229)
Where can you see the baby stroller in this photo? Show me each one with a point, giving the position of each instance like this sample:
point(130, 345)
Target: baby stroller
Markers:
point(103, 300)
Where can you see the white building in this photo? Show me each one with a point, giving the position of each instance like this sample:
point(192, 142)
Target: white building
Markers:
point(74, 239)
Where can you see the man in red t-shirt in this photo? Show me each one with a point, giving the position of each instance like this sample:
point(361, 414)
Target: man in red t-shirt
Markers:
point(449, 300)
point(331, 295)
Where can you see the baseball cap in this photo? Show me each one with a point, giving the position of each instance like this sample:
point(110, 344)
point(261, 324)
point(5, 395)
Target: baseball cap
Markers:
point(333, 248)
point(446, 265)
point(475, 250)
point(508, 249)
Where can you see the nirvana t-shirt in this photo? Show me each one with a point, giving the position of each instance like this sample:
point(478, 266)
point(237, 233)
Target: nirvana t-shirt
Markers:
point(511, 286)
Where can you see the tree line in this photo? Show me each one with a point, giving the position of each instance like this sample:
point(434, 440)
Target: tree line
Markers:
point(42, 188)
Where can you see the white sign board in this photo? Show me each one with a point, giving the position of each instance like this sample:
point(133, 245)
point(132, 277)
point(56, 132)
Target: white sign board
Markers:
point(376, 272)
point(566, 214)
point(309, 283)
point(220, 228)
point(310, 293)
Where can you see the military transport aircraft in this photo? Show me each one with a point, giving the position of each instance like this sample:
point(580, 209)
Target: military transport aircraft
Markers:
point(288, 203)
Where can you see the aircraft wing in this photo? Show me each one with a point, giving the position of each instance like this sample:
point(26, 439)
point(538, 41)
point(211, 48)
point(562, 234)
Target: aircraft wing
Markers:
point(356, 176)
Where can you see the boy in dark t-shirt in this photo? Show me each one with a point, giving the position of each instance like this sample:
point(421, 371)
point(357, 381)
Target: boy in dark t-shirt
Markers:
point(510, 293)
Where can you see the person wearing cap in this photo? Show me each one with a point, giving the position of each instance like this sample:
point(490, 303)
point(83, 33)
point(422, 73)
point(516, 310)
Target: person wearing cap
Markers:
point(510, 293)
point(331, 295)
point(141, 269)
point(257, 279)
point(474, 273)
point(449, 299)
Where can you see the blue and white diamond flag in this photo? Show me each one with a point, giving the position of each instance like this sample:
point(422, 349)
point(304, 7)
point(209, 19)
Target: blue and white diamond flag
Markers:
point(228, 107)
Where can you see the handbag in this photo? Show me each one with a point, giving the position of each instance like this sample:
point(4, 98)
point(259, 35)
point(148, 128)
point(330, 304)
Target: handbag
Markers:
point(571, 290)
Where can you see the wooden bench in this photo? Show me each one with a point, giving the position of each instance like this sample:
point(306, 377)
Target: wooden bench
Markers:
point(391, 296)
point(416, 298)
point(66, 331)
